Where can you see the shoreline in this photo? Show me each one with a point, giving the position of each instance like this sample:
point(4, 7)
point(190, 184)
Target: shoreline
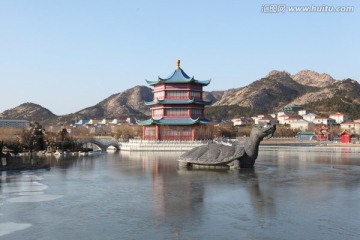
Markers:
point(307, 144)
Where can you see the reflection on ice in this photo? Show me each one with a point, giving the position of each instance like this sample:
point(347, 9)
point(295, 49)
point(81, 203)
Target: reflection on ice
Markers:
point(34, 177)
point(10, 227)
point(29, 193)
point(34, 198)
point(23, 187)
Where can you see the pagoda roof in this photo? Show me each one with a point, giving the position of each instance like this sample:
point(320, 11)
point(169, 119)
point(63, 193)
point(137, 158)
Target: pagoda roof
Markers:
point(178, 76)
point(306, 133)
point(345, 133)
point(177, 101)
point(172, 121)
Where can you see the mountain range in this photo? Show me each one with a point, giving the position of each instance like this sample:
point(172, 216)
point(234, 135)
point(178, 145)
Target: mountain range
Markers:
point(319, 92)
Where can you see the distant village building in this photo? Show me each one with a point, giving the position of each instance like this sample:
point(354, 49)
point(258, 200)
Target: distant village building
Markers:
point(264, 119)
point(94, 121)
point(290, 120)
point(242, 121)
point(283, 117)
point(339, 117)
point(131, 120)
point(352, 127)
point(105, 121)
point(302, 112)
point(12, 123)
point(292, 109)
point(300, 124)
point(324, 121)
point(310, 117)
point(268, 120)
point(117, 121)
point(82, 122)
point(177, 109)
point(256, 119)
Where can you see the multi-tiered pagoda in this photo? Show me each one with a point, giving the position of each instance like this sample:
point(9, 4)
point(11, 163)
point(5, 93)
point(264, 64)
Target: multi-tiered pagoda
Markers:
point(177, 108)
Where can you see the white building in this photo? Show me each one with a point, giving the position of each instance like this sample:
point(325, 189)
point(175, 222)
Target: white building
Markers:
point(262, 118)
point(283, 117)
point(302, 112)
point(242, 121)
point(339, 117)
point(117, 121)
point(301, 124)
point(325, 121)
point(310, 117)
point(268, 120)
point(280, 113)
point(352, 127)
point(290, 120)
point(94, 121)
point(11, 123)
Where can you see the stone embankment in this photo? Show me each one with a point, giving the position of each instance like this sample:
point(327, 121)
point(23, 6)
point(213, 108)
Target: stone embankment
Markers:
point(147, 145)
point(295, 142)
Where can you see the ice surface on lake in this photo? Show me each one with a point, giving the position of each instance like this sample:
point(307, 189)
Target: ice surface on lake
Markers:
point(34, 198)
point(22, 189)
point(29, 193)
point(10, 227)
point(23, 186)
point(28, 189)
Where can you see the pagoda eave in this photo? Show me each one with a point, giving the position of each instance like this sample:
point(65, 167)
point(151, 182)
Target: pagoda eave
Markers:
point(176, 102)
point(178, 76)
point(172, 121)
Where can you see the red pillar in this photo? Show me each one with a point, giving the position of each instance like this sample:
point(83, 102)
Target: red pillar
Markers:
point(193, 132)
point(143, 132)
point(157, 132)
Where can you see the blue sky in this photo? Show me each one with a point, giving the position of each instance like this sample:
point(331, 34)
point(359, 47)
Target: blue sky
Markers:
point(69, 54)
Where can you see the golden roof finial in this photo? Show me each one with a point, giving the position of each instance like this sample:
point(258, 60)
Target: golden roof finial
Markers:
point(177, 65)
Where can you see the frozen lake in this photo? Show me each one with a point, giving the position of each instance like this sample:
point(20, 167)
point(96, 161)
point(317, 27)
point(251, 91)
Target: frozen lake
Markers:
point(293, 193)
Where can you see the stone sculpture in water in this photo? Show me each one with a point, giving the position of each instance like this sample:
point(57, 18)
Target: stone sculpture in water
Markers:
point(215, 154)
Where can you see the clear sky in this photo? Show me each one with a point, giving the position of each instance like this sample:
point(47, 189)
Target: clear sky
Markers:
point(70, 54)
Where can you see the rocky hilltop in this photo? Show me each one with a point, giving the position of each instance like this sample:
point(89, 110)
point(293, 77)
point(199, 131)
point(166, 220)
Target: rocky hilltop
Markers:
point(271, 92)
point(317, 92)
point(277, 89)
point(127, 103)
point(314, 79)
point(29, 111)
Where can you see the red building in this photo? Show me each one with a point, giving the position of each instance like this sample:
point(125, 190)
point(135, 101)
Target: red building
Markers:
point(177, 108)
point(322, 133)
point(345, 137)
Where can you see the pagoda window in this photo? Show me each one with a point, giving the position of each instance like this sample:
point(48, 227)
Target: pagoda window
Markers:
point(177, 94)
point(196, 95)
point(196, 113)
point(157, 113)
point(176, 112)
point(159, 95)
point(150, 132)
point(175, 133)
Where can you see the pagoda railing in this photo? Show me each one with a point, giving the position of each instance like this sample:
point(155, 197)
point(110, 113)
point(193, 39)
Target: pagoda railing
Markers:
point(177, 97)
point(177, 115)
point(174, 141)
